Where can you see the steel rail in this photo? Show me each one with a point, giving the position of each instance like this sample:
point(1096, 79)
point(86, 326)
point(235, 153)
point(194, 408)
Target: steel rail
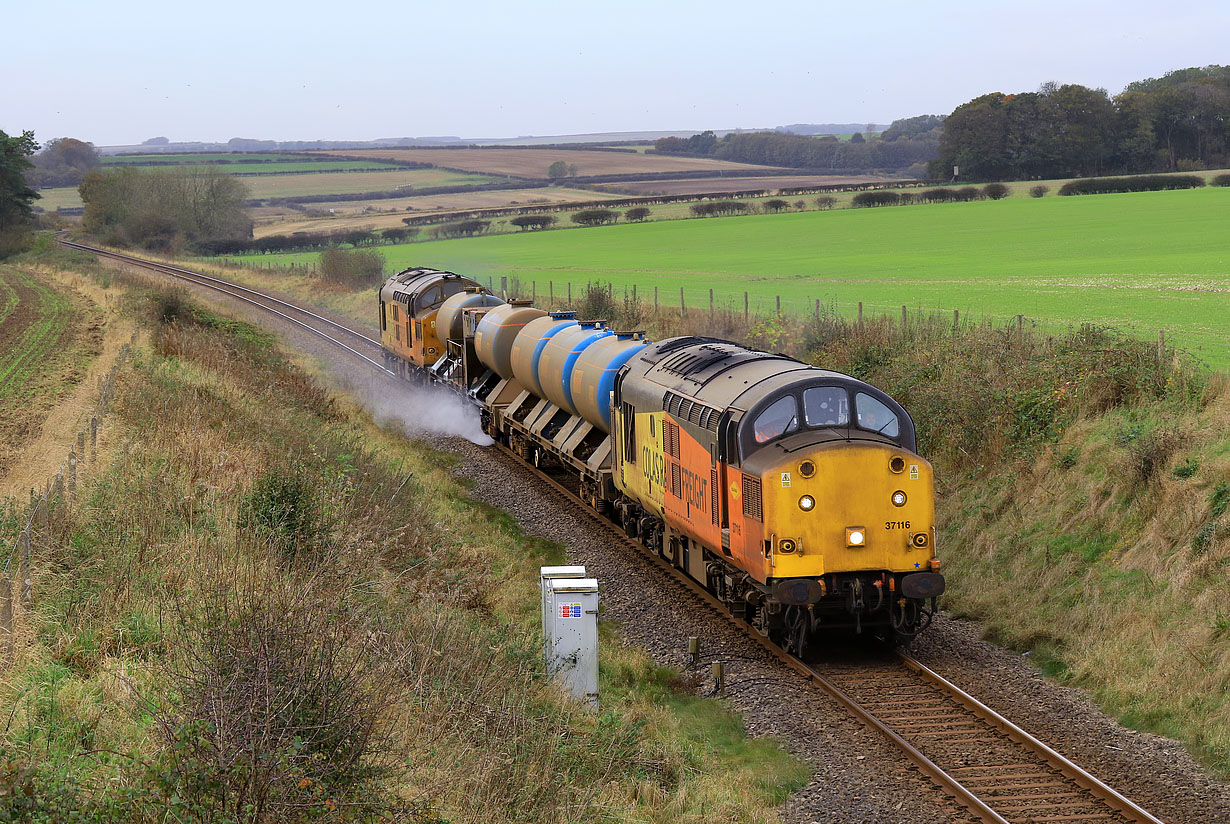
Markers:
point(233, 290)
point(1080, 776)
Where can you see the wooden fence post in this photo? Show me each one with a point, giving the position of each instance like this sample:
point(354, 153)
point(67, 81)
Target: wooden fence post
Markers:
point(23, 569)
point(72, 473)
point(817, 310)
point(534, 291)
point(711, 301)
point(551, 294)
point(860, 314)
point(683, 306)
point(905, 319)
point(956, 320)
point(634, 303)
point(569, 294)
point(655, 300)
point(746, 307)
point(504, 287)
point(779, 306)
point(6, 620)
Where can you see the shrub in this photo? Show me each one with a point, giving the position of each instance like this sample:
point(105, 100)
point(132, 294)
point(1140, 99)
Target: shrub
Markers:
point(774, 206)
point(595, 217)
point(825, 202)
point(637, 213)
point(532, 222)
point(1220, 180)
point(286, 709)
point(1038, 191)
point(352, 267)
point(701, 209)
point(967, 193)
point(597, 303)
point(281, 509)
point(936, 195)
point(1136, 183)
point(996, 191)
point(870, 199)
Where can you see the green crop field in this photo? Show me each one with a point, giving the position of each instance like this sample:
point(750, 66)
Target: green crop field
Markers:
point(201, 157)
point(299, 167)
point(1143, 262)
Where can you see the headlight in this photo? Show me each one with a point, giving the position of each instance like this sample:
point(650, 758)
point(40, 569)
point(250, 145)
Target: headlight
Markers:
point(807, 503)
point(856, 536)
point(898, 498)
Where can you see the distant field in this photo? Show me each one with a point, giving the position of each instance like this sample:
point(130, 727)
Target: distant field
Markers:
point(344, 183)
point(740, 184)
point(534, 162)
point(202, 157)
point(65, 197)
point(388, 213)
point(1142, 261)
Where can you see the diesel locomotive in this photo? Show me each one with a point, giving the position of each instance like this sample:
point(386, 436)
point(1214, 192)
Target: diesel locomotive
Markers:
point(794, 494)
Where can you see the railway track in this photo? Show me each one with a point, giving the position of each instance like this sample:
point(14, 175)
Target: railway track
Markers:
point(365, 348)
point(994, 770)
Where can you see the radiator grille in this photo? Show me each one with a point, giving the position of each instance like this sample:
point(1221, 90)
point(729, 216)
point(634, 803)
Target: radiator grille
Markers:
point(751, 498)
point(713, 495)
point(676, 484)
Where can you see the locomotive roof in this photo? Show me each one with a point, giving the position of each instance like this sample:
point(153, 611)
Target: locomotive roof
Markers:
point(719, 373)
point(404, 285)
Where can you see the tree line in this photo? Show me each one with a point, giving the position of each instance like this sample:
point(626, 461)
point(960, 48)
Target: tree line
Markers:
point(1178, 122)
point(906, 145)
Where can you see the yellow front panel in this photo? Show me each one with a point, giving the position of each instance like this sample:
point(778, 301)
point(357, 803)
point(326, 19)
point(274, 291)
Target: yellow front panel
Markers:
point(852, 486)
point(642, 477)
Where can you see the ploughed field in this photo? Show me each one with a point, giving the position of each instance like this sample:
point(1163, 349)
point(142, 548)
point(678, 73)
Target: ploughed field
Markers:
point(1143, 261)
point(535, 162)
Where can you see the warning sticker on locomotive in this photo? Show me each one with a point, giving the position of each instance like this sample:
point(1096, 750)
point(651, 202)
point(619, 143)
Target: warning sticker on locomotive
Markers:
point(913, 472)
point(570, 610)
point(785, 479)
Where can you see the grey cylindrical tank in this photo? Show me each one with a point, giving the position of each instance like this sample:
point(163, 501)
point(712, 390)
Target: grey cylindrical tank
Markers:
point(528, 345)
point(493, 339)
point(448, 319)
point(593, 376)
point(558, 358)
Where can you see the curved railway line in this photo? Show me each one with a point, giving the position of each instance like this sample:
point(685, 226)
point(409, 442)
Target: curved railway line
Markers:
point(991, 769)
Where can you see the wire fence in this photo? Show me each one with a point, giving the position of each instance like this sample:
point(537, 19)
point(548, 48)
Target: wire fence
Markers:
point(46, 509)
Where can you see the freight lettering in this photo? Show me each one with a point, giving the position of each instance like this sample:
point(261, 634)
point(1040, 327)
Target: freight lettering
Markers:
point(696, 490)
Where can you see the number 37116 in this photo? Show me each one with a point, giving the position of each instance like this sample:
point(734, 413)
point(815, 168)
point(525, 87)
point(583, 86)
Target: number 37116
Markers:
point(896, 524)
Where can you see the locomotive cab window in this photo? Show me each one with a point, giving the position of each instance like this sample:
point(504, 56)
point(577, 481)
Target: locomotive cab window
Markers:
point(780, 418)
point(826, 406)
point(430, 298)
point(875, 416)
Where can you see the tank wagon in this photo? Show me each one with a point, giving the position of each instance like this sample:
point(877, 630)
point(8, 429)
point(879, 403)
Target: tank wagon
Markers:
point(793, 494)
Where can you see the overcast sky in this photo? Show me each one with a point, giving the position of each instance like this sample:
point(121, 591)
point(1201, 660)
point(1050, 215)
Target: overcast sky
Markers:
point(121, 72)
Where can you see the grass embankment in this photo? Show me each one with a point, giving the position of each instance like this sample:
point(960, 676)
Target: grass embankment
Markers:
point(1142, 262)
point(264, 610)
point(1084, 496)
point(47, 337)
